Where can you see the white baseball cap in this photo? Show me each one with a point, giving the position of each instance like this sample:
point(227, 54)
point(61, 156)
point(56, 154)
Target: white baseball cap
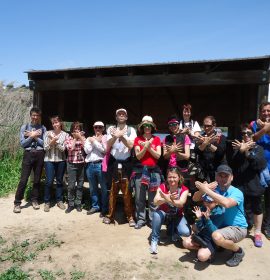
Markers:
point(121, 110)
point(98, 123)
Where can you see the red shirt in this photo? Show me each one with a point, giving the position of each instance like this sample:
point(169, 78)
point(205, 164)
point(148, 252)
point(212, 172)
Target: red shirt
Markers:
point(165, 207)
point(148, 159)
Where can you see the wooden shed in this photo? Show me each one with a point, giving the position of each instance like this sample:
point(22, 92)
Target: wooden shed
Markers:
point(228, 89)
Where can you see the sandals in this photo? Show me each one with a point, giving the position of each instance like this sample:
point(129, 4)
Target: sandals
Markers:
point(107, 221)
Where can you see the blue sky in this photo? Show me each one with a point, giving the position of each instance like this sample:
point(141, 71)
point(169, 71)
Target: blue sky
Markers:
point(56, 34)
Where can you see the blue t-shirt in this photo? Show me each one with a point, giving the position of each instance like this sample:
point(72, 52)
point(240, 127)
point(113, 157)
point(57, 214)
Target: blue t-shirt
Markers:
point(264, 142)
point(234, 216)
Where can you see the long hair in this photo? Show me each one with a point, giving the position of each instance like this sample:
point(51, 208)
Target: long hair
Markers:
point(176, 170)
point(57, 118)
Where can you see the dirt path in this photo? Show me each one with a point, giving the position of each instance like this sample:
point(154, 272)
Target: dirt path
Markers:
point(114, 252)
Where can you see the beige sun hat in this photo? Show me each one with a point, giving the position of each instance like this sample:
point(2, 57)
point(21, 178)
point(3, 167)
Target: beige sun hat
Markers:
point(147, 120)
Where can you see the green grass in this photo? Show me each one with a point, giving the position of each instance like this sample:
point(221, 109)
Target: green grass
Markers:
point(10, 170)
point(46, 274)
point(14, 273)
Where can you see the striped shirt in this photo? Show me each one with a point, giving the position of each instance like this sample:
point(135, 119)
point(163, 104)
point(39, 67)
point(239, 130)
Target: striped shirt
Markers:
point(55, 153)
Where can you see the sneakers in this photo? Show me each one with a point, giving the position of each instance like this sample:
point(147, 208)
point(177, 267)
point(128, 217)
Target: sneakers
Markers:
point(47, 207)
point(79, 208)
point(69, 209)
point(153, 247)
point(17, 209)
point(92, 211)
point(61, 205)
point(107, 221)
point(235, 259)
point(35, 205)
point(131, 223)
point(258, 240)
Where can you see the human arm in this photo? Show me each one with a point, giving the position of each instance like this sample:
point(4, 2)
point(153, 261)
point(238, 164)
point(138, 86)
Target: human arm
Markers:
point(265, 129)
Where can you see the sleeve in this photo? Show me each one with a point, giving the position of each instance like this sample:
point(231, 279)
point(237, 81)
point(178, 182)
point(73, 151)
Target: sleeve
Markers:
point(196, 127)
point(69, 143)
point(215, 222)
point(237, 195)
point(133, 134)
point(136, 141)
point(46, 141)
point(40, 140)
point(109, 136)
point(88, 147)
point(257, 159)
point(99, 146)
point(60, 143)
point(187, 140)
point(221, 147)
point(24, 141)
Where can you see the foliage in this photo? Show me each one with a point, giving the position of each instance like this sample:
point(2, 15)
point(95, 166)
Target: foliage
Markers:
point(76, 275)
point(14, 273)
point(46, 274)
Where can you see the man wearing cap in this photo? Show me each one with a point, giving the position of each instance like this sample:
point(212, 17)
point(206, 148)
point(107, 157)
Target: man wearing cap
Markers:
point(234, 227)
point(95, 149)
point(120, 139)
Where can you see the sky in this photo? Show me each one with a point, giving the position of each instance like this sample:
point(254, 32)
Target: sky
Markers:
point(58, 34)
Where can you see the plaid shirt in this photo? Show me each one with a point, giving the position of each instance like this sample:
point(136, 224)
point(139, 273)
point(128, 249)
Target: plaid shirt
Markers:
point(75, 152)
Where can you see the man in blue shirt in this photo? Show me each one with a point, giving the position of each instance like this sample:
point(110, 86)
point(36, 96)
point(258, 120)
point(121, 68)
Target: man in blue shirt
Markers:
point(31, 139)
point(234, 227)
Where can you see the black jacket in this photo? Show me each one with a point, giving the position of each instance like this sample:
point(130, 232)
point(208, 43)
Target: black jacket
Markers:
point(246, 170)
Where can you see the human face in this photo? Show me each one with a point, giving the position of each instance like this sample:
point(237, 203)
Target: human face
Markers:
point(147, 128)
point(208, 126)
point(174, 127)
point(56, 124)
point(224, 180)
point(265, 113)
point(35, 118)
point(173, 179)
point(121, 117)
point(186, 114)
point(98, 129)
point(246, 135)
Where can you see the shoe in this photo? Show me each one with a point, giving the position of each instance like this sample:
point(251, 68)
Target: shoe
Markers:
point(235, 259)
point(79, 208)
point(69, 209)
point(258, 240)
point(47, 207)
point(267, 233)
point(107, 221)
point(92, 211)
point(17, 209)
point(61, 205)
point(35, 205)
point(101, 215)
point(153, 247)
point(131, 223)
point(139, 226)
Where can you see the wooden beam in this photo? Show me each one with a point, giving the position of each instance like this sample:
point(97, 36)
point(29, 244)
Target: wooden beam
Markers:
point(170, 80)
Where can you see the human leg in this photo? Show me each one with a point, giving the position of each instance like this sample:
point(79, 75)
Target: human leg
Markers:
point(104, 192)
point(140, 198)
point(258, 219)
point(60, 171)
point(92, 176)
point(72, 171)
point(157, 221)
point(79, 187)
point(128, 205)
point(50, 172)
point(112, 202)
point(183, 228)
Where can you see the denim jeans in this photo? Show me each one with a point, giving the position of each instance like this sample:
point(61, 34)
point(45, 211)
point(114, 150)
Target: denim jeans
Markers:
point(75, 183)
point(181, 228)
point(57, 170)
point(31, 161)
point(95, 176)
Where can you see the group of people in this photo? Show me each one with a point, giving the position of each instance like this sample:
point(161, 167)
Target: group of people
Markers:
point(202, 186)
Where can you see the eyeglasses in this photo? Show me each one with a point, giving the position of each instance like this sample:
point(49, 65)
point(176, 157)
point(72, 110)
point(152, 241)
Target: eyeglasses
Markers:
point(98, 127)
point(248, 133)
point(207, 125)
point(173, 124)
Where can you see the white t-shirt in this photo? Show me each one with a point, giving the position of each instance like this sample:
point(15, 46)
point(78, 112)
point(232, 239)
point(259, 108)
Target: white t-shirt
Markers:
point(119, 150)
point(194, 128)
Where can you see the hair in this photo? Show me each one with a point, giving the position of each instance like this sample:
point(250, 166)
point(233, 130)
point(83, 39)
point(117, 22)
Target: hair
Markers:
point(263, 104)
point(141, 130)
point(56, 117)
point(245, 126)
point(214, 123)
point(35, 110)
point(172, 117)
point(187, 106)
point(176, 169)
point(75, 125)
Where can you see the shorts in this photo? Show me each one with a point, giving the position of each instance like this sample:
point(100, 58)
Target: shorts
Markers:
point(236, 234)
point(254, 203)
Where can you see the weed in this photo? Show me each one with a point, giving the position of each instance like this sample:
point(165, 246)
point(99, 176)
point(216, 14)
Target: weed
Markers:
point(76, 275)
point(14, 273)
point(2, 240)
point(46, 274)
point(51, 241)
point(60, 272)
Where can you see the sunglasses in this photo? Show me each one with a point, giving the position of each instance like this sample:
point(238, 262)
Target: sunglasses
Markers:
point(207, 125)
point(248, 133)
point(173, 124)
point(98, 127)
point(147, 125)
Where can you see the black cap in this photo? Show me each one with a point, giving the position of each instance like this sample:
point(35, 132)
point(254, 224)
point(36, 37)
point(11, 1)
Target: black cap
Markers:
point(223, 168)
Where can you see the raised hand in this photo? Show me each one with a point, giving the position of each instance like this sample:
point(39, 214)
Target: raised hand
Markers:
point(197, 211)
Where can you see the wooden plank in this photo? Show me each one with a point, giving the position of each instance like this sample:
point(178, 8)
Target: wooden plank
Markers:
point(170, 80)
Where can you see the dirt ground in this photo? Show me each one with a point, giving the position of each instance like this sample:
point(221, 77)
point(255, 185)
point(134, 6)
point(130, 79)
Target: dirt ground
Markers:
point(114, 251)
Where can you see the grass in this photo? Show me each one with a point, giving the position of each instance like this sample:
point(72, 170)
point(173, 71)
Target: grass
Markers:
point(46, 274)
point(14, 273)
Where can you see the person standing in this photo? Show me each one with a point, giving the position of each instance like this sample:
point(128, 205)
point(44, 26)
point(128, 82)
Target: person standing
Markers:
point(31, 139)
point(95, 149)
point(75, 166)
point(120, 140)
point(54, 162)
point(261, 130)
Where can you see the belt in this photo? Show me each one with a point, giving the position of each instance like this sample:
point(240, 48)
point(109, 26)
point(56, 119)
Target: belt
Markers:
point(34, 151)
point(96, 161)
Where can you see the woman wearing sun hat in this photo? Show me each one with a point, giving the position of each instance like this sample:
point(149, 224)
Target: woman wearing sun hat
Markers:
point(146, 173)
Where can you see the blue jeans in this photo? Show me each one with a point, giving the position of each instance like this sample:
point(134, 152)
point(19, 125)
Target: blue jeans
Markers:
point(57, 170)
point(181, 228)
point(95, 176)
